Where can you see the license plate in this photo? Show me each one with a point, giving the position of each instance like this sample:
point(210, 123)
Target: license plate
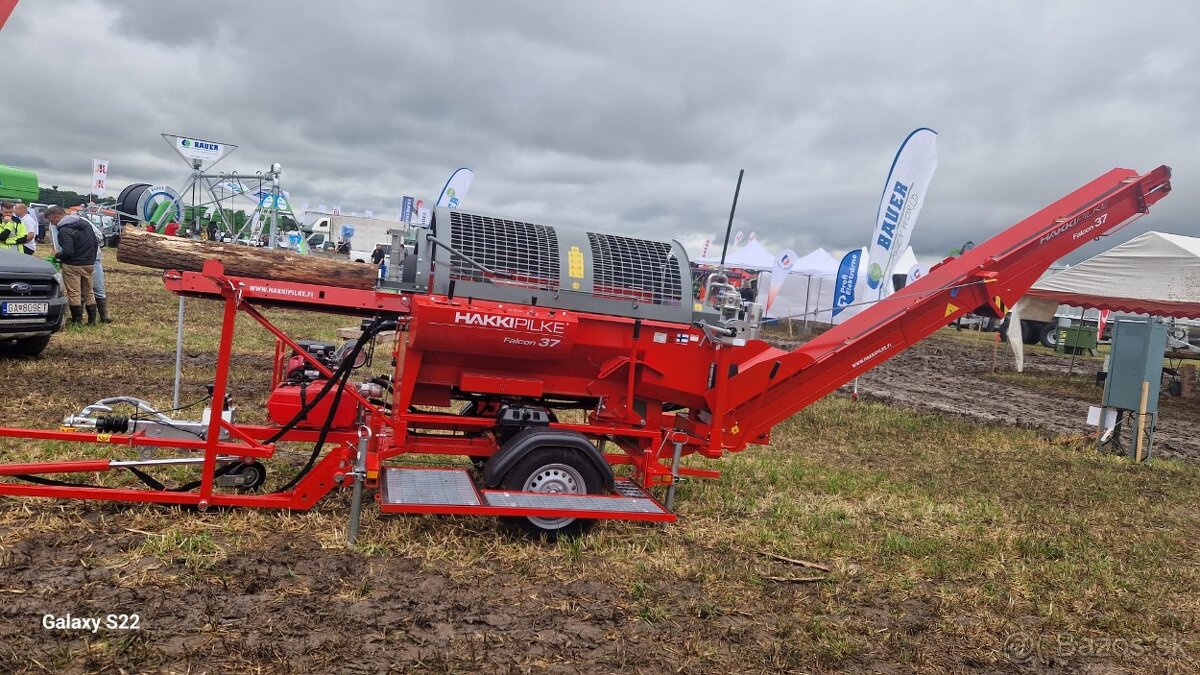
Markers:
point(15, 308)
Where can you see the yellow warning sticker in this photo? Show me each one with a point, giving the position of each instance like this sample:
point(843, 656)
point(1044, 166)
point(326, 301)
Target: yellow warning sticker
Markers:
point(1000, 306)
point(574, 285)
point(575, 263)
point(735, 429)
point(103, 438)
point(951, 308)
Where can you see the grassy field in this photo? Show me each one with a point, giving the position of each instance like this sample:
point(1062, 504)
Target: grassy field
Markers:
point(940, 545)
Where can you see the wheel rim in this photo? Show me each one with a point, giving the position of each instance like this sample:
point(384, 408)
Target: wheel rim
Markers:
point(554, 479)
point(255, 477)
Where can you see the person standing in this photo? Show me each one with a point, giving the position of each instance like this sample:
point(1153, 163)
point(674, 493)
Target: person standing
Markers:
point(12, 231)
point(77, 255)
point(32, 228)
point(98, 277)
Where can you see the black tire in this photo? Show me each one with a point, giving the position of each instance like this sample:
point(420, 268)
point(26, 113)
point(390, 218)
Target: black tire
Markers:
point(257, 474)
point(1029, 333)
point(555, 470)
point(1049, 335)
point(31, 346)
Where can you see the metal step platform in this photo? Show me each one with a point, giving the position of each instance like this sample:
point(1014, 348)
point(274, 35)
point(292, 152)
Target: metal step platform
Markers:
point(452, 491)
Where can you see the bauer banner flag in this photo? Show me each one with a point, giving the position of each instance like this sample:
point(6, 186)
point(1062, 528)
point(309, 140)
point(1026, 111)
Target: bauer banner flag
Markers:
point(847, 280)
point(903, 194)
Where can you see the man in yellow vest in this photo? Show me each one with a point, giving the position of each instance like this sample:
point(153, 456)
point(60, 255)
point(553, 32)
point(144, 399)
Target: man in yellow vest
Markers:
point(12, 231)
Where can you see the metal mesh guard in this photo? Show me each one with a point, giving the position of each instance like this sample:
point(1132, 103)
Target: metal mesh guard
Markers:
point(635, 269)
point(533, 500)
point(527, 252)
point(430, 486)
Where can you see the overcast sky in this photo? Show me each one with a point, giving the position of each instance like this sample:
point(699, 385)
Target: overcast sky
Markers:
point(630, 117)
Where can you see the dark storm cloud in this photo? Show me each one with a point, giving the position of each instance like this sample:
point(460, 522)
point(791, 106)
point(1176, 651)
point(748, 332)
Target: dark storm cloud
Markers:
point(625, 116)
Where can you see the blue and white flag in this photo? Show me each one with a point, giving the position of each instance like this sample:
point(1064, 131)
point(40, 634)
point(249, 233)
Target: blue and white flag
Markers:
point(847, 280)
point(456, 188)
point(406, 209)
point(903, 195)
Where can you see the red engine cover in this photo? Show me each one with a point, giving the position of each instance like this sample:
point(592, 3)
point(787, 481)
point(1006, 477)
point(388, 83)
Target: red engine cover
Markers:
point(287, 399)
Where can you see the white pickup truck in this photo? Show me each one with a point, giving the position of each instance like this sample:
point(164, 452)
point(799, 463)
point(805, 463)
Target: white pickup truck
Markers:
point(326, 232)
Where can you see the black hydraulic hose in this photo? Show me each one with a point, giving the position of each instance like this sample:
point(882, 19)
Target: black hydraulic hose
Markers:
point(58, 483)
point(321, 437)
point(142, 476)
point(342, 374)
point(188, 487)
point(344, 367)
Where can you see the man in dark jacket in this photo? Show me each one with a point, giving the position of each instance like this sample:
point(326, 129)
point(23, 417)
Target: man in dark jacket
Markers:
point(77, 255)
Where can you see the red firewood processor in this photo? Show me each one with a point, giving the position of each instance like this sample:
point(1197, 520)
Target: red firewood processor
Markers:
point(546, 355)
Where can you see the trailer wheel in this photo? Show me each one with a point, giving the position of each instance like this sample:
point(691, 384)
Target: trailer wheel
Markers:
point(1049, 335)
point(1029, 332)
point(255, 473)
point(555, 471)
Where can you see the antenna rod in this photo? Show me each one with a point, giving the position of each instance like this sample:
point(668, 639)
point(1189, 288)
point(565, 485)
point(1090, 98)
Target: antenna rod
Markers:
point(733, 208)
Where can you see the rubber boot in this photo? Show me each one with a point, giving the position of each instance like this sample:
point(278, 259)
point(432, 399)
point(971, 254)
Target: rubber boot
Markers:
point(76, 313)
point(92, 314)
point(102, 305)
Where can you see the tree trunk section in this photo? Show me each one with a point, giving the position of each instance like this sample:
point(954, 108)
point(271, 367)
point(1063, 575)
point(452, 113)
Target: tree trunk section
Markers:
point(138, 247)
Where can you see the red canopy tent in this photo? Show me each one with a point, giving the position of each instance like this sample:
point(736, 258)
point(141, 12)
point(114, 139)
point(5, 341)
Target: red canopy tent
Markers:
point(1154, 273)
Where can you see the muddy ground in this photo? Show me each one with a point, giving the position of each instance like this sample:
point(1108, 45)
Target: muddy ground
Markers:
point(952, 373)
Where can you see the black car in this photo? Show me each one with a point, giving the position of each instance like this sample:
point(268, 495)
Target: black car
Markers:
point(31, 303)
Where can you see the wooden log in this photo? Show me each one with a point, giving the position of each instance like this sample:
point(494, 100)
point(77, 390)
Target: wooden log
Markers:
point(139, 247)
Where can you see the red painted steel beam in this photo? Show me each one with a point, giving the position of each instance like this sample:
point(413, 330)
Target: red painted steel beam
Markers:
point(138, 440)
point(774, 385)
point(269, 501)
point(332, 299)
point(79, 466)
